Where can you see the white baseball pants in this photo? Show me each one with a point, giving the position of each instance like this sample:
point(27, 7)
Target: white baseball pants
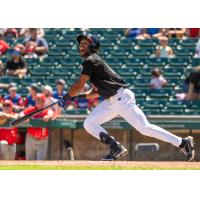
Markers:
point(124, 104)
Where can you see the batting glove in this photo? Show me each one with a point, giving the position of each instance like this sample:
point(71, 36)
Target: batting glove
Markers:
point(62, 100)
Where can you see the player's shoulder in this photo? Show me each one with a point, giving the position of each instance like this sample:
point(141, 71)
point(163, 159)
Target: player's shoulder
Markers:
point(92, 58)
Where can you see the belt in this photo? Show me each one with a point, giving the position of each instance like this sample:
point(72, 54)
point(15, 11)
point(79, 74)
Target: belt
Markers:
point(110, 98)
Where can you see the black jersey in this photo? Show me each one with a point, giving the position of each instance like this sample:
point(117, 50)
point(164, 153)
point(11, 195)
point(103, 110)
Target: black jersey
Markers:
point(104, 80)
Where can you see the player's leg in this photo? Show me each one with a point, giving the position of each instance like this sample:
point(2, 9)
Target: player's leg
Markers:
point(134, 115)
point(11, 151)
point(42, 147)
point(30, 148)
point(101, 114)
point(4, 150)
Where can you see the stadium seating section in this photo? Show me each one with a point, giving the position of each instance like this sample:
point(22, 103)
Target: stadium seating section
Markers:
point(131, 58)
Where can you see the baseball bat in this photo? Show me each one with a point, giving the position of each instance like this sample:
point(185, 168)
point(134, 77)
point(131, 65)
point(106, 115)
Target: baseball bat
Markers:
point(25, 117)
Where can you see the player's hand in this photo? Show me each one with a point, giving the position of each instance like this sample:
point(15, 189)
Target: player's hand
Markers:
point(63, 99)
point(61, 102)
point(46, 118)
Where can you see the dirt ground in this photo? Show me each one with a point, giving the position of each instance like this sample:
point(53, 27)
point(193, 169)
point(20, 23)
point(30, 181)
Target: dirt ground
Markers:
point(137, 164)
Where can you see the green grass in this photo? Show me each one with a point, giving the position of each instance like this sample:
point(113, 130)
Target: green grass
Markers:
point(45, 167)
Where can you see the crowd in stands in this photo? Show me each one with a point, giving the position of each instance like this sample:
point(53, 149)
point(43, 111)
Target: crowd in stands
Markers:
point(32, 44)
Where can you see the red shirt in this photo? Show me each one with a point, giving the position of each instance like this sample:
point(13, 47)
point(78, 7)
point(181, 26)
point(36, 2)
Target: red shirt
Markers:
point(3, 47)
point(194, 32)
point(38, 133)
point(9, 135)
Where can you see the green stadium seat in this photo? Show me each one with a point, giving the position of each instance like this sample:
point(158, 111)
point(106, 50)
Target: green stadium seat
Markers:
point(129, 71)
point(23, 91)
point(41, 71)
point(157, 61)
point(192, 112)
point(195, 62)
point(146, 43)
point(33, 79)
point(176, 104)
point(174, 72)
point(10, 79)
point(51, 61)
point(161, 93)
point(135, 61)
point(55, 52)
point(140, 53)
point(151, 111)
point(76, 112)
point(3, 91)
point(179, 61)
point(71, 61)
point(177, 111)
point(120, 52)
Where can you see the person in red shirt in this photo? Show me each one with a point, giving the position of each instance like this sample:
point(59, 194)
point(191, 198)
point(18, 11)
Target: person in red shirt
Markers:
point(193, 32)
point(37, 138)
point(3, 44)
point(8, 135)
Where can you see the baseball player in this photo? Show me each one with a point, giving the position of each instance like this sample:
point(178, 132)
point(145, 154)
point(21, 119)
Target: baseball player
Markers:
point(36, 144)
point(8, 135)
point(119, 100)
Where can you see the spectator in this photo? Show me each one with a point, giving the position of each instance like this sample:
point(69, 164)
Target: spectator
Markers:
point(152, 31)
point(35, 46)
point(25, 32)
point(47, 91)
point(3, 44)
point(162, 32)
point(132, 32)
point(14, 97)
point(193, 32)
point(8, 135)
point(192, 85)
point(177, 33)
point(30, 99)
point(16, 66)
point(157, 80)
point(60, 88)
point(36, 144)
point(163, 50)
point(148, 33)
point(11, 33)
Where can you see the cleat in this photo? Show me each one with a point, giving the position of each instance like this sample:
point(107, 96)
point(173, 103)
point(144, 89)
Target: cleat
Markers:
point(188, 148)
point(121, 152)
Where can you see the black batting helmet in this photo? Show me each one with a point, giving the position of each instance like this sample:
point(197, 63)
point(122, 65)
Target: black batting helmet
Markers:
point(95, 43)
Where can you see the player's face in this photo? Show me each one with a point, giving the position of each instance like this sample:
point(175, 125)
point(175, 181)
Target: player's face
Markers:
point(83, 47)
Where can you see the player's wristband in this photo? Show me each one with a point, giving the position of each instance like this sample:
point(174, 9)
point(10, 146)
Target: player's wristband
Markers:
point(82, 96)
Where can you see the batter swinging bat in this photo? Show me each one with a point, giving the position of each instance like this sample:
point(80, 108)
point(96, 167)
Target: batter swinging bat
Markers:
point(24, 118)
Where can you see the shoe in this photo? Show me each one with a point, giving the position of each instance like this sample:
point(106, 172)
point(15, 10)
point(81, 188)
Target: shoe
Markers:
point(121, 152)
point(109, 157)
point(188, 148)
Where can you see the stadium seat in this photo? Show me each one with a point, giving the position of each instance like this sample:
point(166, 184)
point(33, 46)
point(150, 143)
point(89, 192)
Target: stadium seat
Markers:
point(33, 79)
point(76, 112)
point(41, 71)
point(10, 79)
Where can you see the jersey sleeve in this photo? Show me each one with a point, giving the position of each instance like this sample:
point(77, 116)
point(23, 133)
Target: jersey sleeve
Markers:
point(87, 67)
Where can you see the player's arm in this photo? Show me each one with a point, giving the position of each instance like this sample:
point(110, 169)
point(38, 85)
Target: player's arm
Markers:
point(91, 94)
point(76, 88)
